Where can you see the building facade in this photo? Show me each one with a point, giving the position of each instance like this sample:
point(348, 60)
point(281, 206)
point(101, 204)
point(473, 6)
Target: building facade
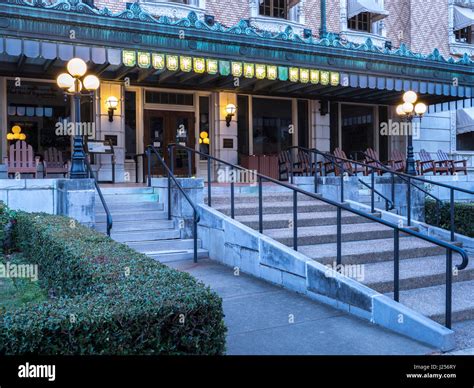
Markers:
point(312, 73)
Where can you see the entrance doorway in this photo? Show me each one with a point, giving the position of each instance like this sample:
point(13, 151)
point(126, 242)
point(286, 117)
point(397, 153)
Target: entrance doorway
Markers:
point(164, 127)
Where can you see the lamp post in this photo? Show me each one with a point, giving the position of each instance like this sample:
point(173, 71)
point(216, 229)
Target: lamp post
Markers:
point(73, 82)
point(408, 111)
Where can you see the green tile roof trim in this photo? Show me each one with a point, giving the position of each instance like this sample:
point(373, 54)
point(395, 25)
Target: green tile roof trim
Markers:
point(242, 28)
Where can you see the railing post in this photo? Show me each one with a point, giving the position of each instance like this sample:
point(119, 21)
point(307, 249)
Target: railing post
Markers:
point(342, 172)
point(451, 214)
point(195, 236)
point(449, 279)
point(372, 196)
point(339, 237)
point(314, 162)
point(190, 165)
point(295, 220)
point(260, 205)
point(393, 188)
point(409, 201)
point(291, 166)
point(209, 189)
point(148, 156)
point(171, 155)
point(169, 197)
point(232, 194)
point(396, 266)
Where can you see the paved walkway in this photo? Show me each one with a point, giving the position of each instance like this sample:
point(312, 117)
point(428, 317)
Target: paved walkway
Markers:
point(263, 319)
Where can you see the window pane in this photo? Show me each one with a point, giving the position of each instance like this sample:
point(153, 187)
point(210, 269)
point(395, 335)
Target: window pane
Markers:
point(204, 129)
point(357, 129)
point(465, 142)
point(271, 126)
point(243, 125)
point(130, 125)
point(303, 124)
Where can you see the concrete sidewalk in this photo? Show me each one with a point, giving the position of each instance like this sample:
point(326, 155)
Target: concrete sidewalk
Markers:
point(263, 319)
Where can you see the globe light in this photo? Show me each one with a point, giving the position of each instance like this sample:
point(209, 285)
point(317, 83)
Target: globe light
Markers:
point(408, 107)
point(400, 110)
point(111, 102)
point(16, 129)
point(77, 67)
point(10, 136)
point(91, 83)
point(410, 97)
point(204, 135)
point(65, 81)
point(230, 109)
point(22, 136)
point(420, 109)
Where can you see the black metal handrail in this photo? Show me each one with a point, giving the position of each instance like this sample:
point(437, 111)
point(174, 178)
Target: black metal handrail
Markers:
point(101, 196)
point(409, 180)
point(450, 248)
point(135, 158)
point(389, 204)
point(171, 177)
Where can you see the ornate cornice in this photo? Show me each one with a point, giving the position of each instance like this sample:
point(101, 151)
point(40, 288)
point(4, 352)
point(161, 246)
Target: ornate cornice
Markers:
point(136, 13)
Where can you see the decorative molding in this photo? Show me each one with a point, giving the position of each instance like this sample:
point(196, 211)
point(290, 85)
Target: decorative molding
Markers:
point(135, 12)
point(172, 10)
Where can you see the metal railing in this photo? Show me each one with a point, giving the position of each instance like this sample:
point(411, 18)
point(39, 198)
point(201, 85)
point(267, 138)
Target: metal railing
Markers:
point(150, 150)
point(101, 196)
point(410, 181)
point(450, 248)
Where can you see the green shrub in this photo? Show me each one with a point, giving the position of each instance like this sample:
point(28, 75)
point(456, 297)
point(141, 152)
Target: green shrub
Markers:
point(463, 216)
point(7, 219)
point(108, 299)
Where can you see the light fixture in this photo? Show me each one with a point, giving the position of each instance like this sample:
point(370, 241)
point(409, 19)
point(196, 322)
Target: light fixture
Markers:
point(112, 104)
point(230, 109)
point(77, 67)
point(408, 111)
point(410, 97)
point(91, 83)
point(65, 81)
point(16, 134)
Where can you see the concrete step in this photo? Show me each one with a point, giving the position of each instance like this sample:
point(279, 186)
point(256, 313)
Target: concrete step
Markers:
point(371, 251)
point(328, 234)
point(430, 301)
point(414, 273)
point(268, 197)
point(129, 206)
point(145, 235)
point(129, 198)
point(117, 190)
point(123, 216)
point(129, 226)
point(274, 208)
point(280, 221)
point(155, 247)
point(179, 255)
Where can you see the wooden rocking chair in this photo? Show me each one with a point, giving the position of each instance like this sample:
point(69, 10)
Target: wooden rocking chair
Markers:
point(53, 162)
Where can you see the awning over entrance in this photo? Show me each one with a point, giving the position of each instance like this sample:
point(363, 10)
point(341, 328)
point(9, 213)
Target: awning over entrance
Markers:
point(355, 7)
point(463, 17)
point(465, 120)
point(190, 54)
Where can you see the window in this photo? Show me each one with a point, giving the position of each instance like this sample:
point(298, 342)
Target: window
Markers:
point(464, 35)
point(465, 141)
point(361, 22)
point(169, 98)
point(204, 129)
point(303, 123)
point(274, 8)
point(357, 129)
point(130, 125)
point(271, 125)
point(39, 108)
point(243, 124)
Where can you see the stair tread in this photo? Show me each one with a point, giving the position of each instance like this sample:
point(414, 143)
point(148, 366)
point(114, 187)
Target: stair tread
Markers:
point(420, 267)
point(430, 301)
point(323, 230)
point(377, 246)
point(301, 216)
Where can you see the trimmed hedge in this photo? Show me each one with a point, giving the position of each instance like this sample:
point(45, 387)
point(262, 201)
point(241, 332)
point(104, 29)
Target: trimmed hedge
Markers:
point(107, 299)
point(463, 216)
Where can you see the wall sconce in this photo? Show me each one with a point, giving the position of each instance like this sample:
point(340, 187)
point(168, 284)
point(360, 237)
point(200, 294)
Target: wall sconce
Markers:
point(230, 109)
point(111, 103)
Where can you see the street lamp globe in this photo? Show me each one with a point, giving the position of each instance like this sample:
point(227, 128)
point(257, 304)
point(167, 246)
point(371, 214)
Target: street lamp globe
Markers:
point(91, 83)
point(420, 109)
point(400, 110)
point(408, 107)
point(410, 97)
point(77, 67)
point(65, 81)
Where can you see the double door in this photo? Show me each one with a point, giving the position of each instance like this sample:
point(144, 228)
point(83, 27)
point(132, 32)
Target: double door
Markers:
point(164, 127)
